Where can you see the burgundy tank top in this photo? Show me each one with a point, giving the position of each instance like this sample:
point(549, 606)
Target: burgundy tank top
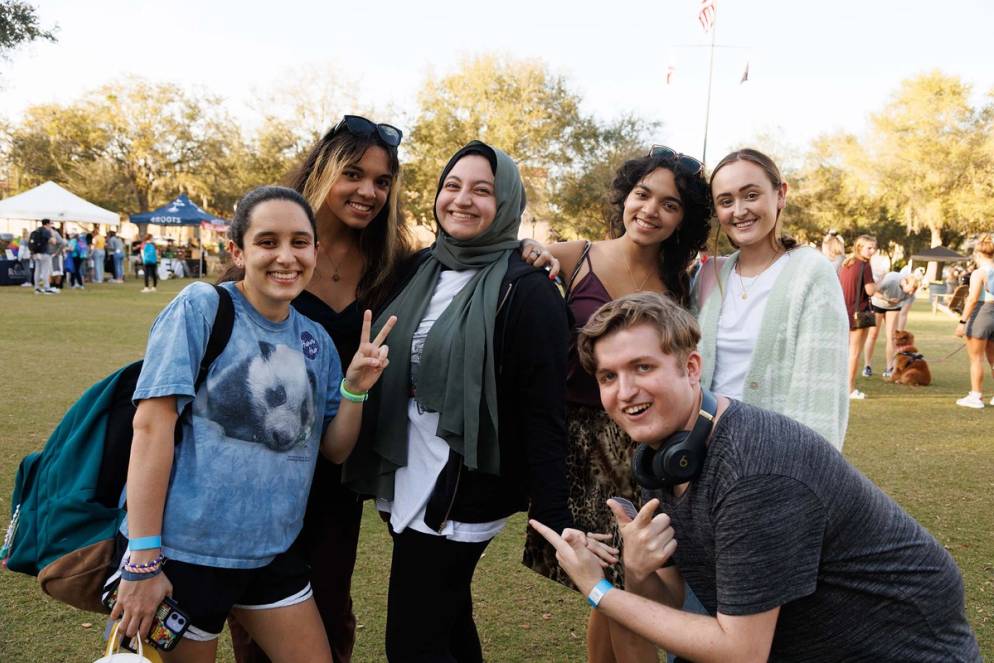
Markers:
point(584, 299)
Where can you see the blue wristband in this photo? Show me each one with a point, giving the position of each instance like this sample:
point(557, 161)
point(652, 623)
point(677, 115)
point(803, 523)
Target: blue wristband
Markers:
point(598, 592)
point(145, 543)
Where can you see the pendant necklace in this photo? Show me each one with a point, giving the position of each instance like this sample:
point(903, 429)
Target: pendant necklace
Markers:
point(639, 287)
point(738, 272)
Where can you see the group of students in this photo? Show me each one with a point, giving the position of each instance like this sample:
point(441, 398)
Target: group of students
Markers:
point(48, 257)
point(482, 407)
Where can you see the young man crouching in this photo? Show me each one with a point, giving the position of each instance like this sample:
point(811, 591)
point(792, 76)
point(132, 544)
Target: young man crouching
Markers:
point(796, 554)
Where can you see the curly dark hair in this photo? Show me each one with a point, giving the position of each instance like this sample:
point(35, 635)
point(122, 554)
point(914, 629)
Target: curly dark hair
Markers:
point(679, 250)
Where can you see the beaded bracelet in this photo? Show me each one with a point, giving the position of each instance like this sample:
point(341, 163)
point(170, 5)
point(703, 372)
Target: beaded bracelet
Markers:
point(138, 577)
point(146, 567)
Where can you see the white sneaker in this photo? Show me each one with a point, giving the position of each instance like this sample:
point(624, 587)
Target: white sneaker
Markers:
point(146, 290)
point(971, 400)
point(26, 285)
point(856, 395)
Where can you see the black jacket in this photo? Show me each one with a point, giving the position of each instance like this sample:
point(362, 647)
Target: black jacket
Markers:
point(531, 341)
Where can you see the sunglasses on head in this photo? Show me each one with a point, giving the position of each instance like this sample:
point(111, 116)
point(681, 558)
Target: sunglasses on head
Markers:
point(688, 163)
point(360, 126)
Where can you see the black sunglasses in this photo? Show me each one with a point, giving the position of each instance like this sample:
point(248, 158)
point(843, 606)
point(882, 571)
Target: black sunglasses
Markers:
point(689, 163)
point(360, 126)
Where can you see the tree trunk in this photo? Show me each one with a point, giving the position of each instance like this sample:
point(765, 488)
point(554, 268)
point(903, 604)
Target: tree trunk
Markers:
point(933, 267)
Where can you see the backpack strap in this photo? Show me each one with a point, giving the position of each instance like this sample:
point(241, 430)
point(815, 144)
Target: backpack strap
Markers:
point(224, 322)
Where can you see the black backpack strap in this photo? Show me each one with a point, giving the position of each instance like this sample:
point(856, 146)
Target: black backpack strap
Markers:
point(224, 321)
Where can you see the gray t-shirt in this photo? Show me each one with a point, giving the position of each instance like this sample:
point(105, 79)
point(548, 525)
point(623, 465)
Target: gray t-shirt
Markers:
point(779, 518)
point(890, 289)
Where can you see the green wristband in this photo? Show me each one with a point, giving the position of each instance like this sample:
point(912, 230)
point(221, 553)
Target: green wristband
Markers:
point(350, 396)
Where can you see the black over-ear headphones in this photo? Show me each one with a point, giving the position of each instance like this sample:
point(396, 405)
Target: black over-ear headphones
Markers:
point(680, 457)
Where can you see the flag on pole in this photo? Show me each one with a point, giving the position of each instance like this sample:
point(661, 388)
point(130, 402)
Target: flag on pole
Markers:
point(705, 14)
point(670, 70)
point(745, 74)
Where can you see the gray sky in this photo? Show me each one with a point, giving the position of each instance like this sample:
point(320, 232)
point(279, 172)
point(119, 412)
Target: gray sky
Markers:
point(814, 66)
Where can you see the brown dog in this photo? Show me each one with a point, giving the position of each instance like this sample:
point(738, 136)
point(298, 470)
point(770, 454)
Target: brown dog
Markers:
point(910, 367)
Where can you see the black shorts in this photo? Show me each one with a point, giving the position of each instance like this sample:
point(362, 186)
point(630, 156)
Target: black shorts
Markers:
point(882, 311)
point(207, 593)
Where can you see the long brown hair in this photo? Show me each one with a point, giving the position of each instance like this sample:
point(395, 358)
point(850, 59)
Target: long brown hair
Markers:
point(386, 241)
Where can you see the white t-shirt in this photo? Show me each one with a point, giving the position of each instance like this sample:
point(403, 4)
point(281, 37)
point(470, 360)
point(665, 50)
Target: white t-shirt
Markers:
point(738, 327)
point(426, 452)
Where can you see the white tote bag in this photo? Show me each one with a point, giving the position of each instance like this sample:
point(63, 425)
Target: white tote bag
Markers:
point(114, 653)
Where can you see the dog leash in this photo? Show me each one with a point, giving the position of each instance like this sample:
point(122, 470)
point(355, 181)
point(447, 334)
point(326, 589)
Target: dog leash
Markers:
point(939, 361)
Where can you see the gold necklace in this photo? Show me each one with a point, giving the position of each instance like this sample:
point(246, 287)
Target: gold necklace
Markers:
point(738, 272)
point(639, 287)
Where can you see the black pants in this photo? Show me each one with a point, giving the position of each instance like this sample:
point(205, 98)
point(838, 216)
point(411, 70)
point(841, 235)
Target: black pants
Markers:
point(152, 269)
point(430, 607)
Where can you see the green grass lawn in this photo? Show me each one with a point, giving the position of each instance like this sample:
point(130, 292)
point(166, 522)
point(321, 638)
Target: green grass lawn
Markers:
point(935, 459)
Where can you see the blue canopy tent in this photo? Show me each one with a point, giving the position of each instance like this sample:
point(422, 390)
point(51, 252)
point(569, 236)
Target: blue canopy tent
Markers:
point(182, 212)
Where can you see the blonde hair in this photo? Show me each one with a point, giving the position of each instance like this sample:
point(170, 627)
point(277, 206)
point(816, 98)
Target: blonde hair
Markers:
point(832, 246)
point(985, 246)
point(857, 247)
point(678, 331)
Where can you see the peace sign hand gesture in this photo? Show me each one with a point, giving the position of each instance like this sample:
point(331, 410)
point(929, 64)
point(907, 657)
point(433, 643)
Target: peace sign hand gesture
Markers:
point(371, 357)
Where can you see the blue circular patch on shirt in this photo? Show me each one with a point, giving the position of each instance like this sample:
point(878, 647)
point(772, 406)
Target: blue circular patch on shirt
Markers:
point(308, 345)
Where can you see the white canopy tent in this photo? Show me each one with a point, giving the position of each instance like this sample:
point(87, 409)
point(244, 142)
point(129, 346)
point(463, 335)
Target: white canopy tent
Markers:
point(51, 201)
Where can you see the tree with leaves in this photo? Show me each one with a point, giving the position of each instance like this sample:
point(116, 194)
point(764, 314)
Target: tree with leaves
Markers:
point(19, 25)
point(928, 158)
point(516, 105)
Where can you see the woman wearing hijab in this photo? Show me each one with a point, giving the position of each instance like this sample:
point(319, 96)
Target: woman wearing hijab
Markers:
point(468, 425)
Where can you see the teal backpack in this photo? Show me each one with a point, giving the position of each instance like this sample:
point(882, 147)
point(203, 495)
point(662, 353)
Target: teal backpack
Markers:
point(66, 508)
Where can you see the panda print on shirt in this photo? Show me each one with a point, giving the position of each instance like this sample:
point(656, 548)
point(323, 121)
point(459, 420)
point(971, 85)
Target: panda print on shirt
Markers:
point(267, 398)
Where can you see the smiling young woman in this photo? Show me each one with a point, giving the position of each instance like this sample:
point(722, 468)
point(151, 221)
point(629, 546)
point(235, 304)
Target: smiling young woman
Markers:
point(469, 425)
point(660, 221)
point(350, 178)
point(772, 316)
point(268, 404)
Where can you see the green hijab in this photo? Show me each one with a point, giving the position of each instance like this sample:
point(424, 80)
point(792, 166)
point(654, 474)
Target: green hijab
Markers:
point(456, 375)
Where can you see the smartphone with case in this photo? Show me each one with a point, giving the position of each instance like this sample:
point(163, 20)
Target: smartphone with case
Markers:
point(168, 625)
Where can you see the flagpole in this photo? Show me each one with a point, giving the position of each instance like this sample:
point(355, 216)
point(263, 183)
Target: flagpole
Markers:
point(707, 112)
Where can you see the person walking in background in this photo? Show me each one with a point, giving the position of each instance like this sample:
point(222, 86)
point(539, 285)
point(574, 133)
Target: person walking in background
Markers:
point(660, 221)
point(115, 245)
point(24, 257)
point(41, 243)
point(893, 293)
point(833, 248)
point(977, 323)
point(58, 251)
point(771, 314)
point(77, 255)
point(856, 277)
point(98, 251)
point(149, 255)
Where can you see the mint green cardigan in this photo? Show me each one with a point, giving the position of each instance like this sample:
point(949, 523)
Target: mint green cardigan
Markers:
point(799, 365)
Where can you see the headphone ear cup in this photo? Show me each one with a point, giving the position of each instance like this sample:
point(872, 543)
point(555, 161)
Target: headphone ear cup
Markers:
point(643, 463)
point(681, 461)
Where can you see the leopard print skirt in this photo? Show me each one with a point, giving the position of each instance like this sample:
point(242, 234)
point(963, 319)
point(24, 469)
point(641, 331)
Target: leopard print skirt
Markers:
point(598, 467)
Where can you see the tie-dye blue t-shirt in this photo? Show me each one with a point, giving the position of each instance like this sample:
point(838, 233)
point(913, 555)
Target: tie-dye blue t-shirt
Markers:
point(242, 471)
